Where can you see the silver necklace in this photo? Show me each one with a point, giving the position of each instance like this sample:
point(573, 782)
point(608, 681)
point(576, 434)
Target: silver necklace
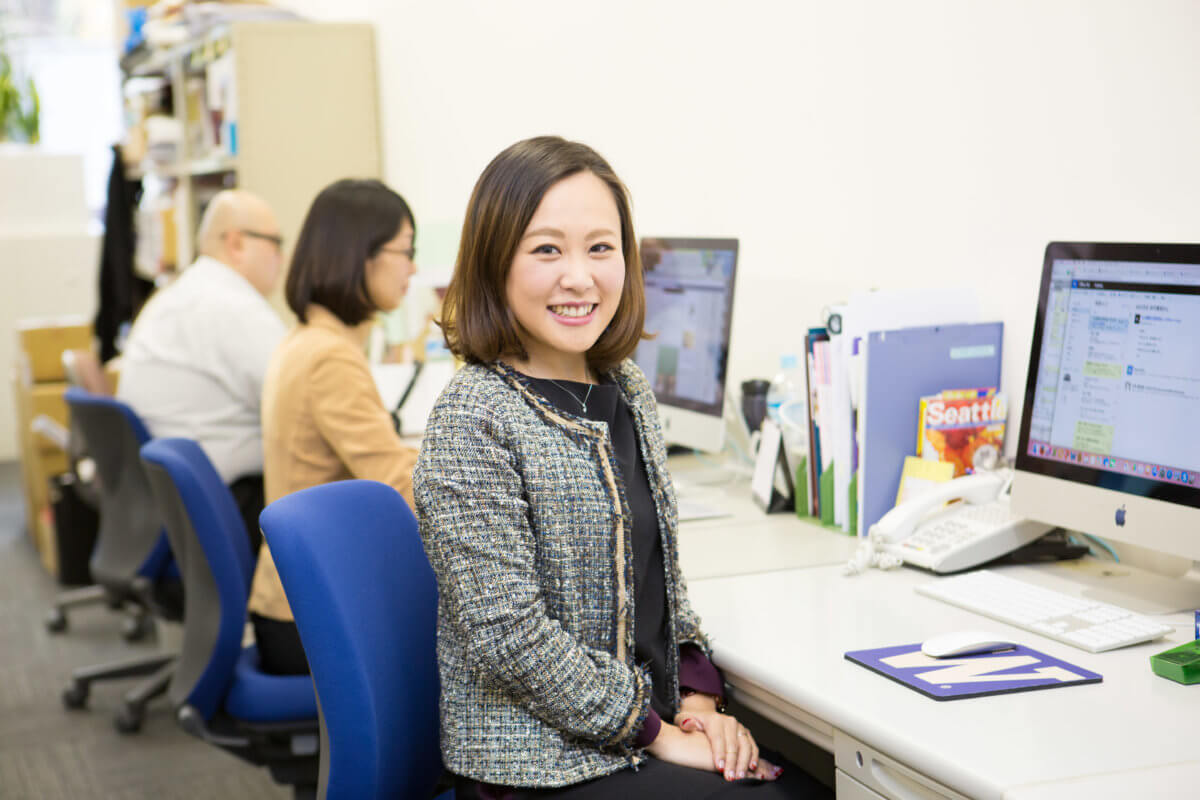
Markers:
point(583, 402)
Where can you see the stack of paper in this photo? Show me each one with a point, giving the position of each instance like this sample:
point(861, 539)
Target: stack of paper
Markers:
point(837, 370)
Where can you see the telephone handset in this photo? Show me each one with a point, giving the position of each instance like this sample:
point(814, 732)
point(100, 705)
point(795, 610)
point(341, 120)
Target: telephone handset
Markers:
point(899, 523)
point(923, 533)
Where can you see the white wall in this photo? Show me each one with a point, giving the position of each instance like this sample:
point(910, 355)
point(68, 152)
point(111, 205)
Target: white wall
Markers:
point(848, 145)
point(48, 257)
point(79, 84)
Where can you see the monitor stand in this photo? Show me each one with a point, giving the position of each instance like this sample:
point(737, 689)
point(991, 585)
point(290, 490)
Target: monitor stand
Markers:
point(1134, 588)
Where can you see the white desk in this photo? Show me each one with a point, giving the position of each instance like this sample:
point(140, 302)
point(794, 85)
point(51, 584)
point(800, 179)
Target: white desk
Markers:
point(749, 541)
point(780, 638)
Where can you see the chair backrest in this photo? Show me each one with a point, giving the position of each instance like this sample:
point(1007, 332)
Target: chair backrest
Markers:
point(131, 542)
point(210, 544)
point(365, 602)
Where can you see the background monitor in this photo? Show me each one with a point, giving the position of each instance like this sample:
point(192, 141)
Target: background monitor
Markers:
point(1110, 437)
point(689, 304)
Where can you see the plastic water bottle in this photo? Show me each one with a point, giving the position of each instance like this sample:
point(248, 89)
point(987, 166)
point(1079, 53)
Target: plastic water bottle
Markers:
point(788, 385)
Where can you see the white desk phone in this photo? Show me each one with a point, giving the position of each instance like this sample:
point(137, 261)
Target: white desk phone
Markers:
point(966, 534)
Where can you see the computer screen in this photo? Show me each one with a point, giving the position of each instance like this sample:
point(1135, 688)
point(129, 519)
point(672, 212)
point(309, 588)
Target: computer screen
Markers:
point(689, 306)
point(1109, 440)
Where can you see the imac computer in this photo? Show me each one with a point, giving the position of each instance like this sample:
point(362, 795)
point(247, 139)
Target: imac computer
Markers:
point(689, 303)
point(1110, 438)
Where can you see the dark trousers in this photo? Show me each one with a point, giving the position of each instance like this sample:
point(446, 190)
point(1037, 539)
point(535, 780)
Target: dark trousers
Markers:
point(248, 493)
point(657, 779)
point(279, 648)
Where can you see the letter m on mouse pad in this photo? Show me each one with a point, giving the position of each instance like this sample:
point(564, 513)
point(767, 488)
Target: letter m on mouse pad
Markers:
point(1017, 670)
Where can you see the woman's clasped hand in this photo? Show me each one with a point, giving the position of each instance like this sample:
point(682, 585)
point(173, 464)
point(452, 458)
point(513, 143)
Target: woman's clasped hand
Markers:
point(710, 740)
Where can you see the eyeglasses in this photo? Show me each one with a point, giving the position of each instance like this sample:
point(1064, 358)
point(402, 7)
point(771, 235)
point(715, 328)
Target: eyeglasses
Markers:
point(273, 238)
point(409, 253)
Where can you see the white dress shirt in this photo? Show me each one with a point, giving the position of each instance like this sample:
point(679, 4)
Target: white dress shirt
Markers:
point(194, 363)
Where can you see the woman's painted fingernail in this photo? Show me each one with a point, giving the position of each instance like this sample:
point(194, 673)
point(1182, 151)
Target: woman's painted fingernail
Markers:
point(753, 765)
point(720, 763)
point(778, 771)
point(729, 775)
point(741, 775)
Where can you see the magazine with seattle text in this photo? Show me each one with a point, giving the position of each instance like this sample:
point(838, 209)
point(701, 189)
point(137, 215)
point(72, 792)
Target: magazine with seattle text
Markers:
point(963, 427)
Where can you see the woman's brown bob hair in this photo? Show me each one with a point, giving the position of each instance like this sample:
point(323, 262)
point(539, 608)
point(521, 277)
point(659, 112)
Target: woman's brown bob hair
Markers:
point(478, 324)
point(348, 223)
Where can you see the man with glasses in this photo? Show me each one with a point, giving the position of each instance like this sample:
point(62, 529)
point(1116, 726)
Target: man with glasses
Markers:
point(194, 362)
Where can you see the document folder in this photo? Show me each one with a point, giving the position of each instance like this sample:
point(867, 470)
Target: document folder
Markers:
point(901, 367)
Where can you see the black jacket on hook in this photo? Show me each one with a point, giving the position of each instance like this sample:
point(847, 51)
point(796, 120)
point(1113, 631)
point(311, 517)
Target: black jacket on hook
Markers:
point(121, 292)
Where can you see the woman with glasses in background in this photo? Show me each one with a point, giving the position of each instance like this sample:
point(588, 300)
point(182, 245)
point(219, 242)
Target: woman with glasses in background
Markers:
point(323, 418)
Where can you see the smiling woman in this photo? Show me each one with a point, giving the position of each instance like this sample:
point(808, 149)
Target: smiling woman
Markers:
point(571, 662)
point(543, 207)
point(566, 278)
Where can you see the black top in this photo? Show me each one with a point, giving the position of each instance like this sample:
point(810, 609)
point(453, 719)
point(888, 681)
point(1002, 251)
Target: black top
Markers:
point(605, 404)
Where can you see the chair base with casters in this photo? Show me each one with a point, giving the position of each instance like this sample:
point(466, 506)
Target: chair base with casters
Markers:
point(132, 711)
point(167, 601)
point(135, 626)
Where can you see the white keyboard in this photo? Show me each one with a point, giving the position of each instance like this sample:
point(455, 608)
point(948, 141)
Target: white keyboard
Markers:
point(1076, 621)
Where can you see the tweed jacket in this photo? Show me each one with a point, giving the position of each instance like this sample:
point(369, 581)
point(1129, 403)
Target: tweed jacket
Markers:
point(523, 513)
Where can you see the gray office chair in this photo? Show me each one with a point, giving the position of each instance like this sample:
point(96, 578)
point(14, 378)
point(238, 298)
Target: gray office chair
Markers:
point(83, 369)
point(132, 560)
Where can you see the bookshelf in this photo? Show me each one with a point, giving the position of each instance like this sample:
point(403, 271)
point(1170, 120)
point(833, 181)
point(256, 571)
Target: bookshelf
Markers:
point(279, 108)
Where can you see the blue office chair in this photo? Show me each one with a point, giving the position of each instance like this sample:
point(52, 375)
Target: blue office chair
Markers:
point(365, 601)
point(132, 559)
point(219, 691)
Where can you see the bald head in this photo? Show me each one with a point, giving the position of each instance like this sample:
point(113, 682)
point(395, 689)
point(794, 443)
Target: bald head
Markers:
point(240, 230)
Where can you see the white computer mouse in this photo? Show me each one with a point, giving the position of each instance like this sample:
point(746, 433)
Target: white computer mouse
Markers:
point(965, 643)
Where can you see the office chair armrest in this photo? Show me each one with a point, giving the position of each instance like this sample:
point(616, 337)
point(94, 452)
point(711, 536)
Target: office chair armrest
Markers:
point(303, 738)
point(52, 431)
point(193, 723)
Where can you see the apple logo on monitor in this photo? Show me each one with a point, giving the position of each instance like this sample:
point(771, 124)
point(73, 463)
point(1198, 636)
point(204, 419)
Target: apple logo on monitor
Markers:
point(1121, 517)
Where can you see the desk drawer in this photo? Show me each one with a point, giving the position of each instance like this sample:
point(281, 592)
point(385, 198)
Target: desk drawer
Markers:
point(865, 769)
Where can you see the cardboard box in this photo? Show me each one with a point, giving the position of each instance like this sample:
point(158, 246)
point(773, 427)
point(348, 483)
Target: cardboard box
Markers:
point(43, 341)
point(40, 458)
point(49, 399)
point(21, 400)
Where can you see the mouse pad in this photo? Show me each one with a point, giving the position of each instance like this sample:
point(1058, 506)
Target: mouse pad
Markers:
point(1020, 669)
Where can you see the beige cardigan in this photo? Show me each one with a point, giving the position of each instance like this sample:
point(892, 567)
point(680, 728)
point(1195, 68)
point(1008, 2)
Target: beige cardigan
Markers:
point(323, 421)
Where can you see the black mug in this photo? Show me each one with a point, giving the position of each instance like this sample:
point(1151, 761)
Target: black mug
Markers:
point(754, 402)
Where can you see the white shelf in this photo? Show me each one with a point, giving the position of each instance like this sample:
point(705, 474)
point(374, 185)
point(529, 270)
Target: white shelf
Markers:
point(161, 61)
point(214, 165)
point(302, 121)
point(205, 166)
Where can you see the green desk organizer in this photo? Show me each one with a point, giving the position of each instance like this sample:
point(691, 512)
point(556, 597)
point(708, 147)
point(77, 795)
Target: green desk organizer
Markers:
point(1181, 664)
